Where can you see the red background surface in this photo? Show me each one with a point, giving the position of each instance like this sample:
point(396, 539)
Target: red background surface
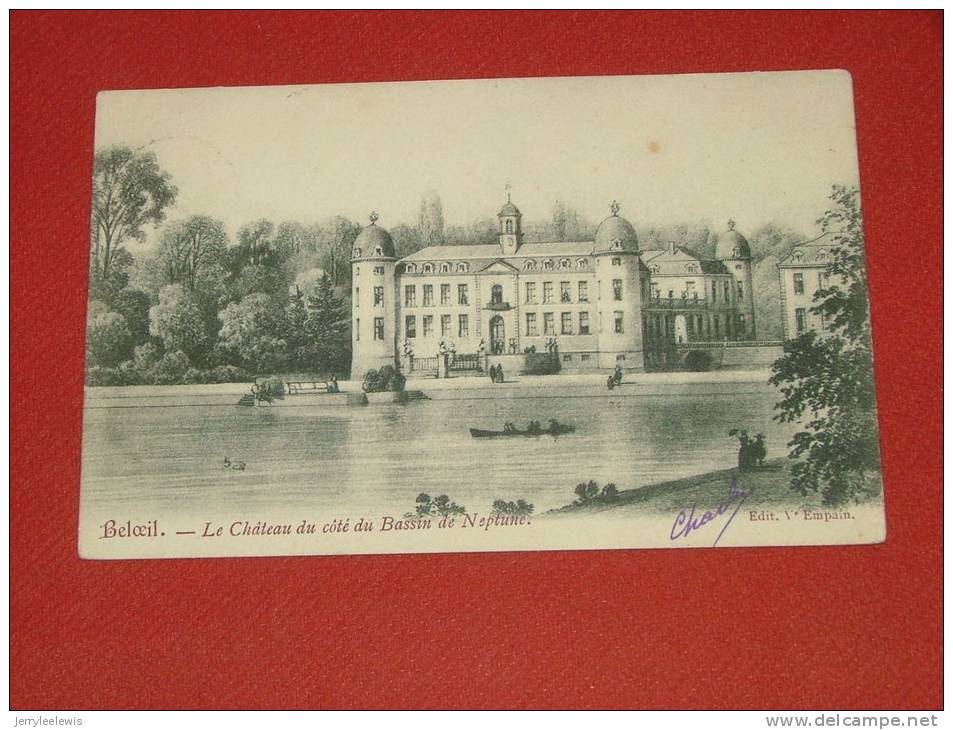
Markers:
point(848, 627)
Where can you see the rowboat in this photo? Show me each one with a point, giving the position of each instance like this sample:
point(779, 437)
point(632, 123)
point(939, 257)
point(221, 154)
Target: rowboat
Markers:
point(558, 431)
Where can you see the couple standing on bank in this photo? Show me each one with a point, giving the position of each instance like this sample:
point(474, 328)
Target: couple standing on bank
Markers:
point(496, 373)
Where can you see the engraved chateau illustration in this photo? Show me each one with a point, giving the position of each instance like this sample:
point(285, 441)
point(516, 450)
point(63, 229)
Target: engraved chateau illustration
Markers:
point(589, 305)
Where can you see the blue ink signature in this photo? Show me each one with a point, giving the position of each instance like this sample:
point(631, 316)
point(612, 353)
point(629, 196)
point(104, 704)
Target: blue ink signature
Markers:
point(686, 522)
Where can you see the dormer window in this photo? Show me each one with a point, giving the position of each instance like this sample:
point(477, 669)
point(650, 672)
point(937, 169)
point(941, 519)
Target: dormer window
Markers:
point(736, 253)
point(582, 263)
point(444, 268)
point(655, 268)
point(463, 267)
point(548, 264)
point(822, 255)
point(530, 265)
point(797, 257)
point(356, 253)
point(428, 268)
point(411, 268)
point(378, 251)
point(564, 264)
point(691, 268)
point(616, 244)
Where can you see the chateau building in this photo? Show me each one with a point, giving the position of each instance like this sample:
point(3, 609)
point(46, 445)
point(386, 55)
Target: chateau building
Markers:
point(802, 273)
point(592, 305)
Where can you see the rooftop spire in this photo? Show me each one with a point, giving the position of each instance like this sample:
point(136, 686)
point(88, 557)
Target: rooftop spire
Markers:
point(731, 224)
point(614, 207)
point(373, 216)
point(508, 188)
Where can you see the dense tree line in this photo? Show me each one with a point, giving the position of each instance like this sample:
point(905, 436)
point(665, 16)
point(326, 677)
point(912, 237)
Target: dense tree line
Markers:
point(200, 307)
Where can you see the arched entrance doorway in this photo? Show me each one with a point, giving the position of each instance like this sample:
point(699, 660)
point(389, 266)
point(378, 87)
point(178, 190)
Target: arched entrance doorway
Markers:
point(681, 329)
point(497, 335)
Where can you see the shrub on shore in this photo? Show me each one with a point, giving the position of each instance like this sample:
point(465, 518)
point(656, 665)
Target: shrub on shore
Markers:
point(520, 507)
point(588, 493)
point(386, 380)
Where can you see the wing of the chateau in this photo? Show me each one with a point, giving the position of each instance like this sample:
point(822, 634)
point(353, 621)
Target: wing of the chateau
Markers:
point(580, 305)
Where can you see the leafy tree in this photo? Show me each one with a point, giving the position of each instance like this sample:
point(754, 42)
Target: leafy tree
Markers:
point(255, 242)
point(130, 190)
point(827, 378)
point(188, 247)
point(327, 329)
point(251, 334)
point(133, 305)
point(108, 341)
point(177, 321)
point(430, 220)
point(334, 239)
point(295, 329)
point(586, 492)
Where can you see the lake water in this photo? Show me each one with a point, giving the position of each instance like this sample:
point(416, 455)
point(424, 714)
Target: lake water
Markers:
point(376, 459)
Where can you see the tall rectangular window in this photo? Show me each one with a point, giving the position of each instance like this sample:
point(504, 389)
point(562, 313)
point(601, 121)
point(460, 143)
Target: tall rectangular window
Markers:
point(378, 328)
point(410, 296)
point(799, 283)
point(566, 323)
point(618, 323)
point(531, 324)
point(582, 293)
point(531, 292)
point(463, 326)
point(445, 294)
point(727, 291)
point(547, 292)
point(617, 289)
point(428, 295)
point(565, 293)
point(584, 323)
point(357, 296)
point(444, 325)
point(714, 292)
point(379, 270)
point(357, 329)
point(410, 326)
point(821, 280)
point(463, 296)
point(690, 291)
point(428, 325)
point(741, 292)
point(549, 323)
point(799, 320)
point(378, 296)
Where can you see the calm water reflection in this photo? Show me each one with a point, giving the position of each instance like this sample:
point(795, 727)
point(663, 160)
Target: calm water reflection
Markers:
point(374, 459)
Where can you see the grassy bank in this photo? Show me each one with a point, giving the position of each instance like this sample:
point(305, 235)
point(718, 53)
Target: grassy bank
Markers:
point(769, 487)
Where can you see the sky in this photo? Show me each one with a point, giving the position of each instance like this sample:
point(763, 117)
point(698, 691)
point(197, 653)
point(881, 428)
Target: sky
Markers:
point(755, 147)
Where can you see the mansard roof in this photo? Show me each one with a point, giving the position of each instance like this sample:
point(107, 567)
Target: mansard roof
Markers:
point(810, 252)
point(675, 260)
point(466, 252)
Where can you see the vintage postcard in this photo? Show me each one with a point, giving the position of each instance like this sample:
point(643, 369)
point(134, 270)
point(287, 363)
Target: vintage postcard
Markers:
point(506, 314)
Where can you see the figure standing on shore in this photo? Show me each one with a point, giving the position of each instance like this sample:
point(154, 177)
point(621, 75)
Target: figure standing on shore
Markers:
point(617, 375)
point(758, 451)
point(499, 373)
point(744, 449)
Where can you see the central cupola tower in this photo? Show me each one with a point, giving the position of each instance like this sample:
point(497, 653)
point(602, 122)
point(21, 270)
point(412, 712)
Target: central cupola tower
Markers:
point(511, 231)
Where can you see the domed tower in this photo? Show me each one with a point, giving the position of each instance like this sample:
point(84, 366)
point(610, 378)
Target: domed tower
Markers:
point(735, 253)
point(511, 230)
point(373, 301)
point(621, 279)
